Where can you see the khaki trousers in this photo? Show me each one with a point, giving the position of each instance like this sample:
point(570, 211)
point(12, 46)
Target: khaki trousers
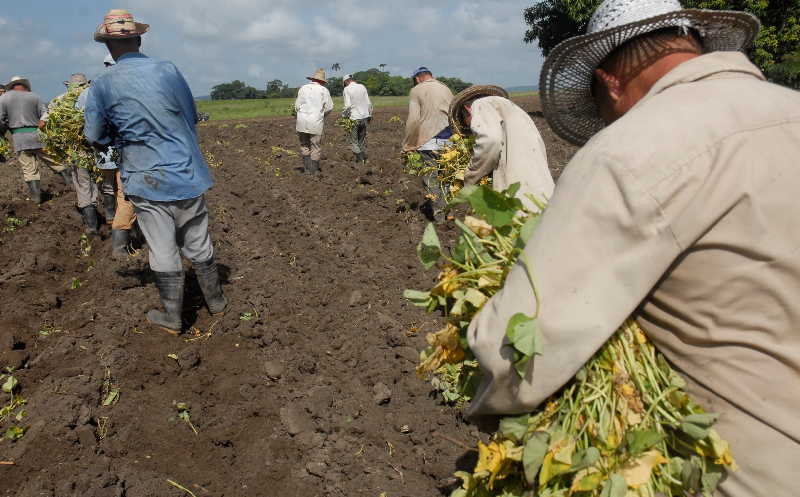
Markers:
point(31, 161)
point(125, 215)
point(85, 187)
point(310, 145)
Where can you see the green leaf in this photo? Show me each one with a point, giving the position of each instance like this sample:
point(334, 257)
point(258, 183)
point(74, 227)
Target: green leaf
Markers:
point(526, 232)
point(512, 189)
point(514, 427)
point(429, 249)
point(615, 487)
point(14, 433)
point(468, 237)
point(418, 298)
point(639, 441)
point(464, 194)
point(10, 384)
point(521, 364)
point(524, 334)
point(710, 480)
point(476, 297)
point(494, 207)
point(697, 426)
point(585, 458)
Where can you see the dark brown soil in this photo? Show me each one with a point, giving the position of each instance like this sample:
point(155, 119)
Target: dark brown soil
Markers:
point(305, 387)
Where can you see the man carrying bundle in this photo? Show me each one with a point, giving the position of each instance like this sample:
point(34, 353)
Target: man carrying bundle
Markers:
point(82, 181)
point(313, 104)
point(507, 143)
point(428, 131)
point(145, 108)
point(681, 210)
point(21, 111)
point(358, 107)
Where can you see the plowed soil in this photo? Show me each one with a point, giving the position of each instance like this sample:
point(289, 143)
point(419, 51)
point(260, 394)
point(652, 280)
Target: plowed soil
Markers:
point(306, 386)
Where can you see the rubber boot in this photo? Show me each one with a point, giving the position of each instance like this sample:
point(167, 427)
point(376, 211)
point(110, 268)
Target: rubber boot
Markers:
point(66, 175)
point(314, 167)
point(357, 158)
point(35, 189)
point(170, 289)
point(306, 164)
point(110, 206)
point(119, 244)
point(89, 214)
point(208, 278)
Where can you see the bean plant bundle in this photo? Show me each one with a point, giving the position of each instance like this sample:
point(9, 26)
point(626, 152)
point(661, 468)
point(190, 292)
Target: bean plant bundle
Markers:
point(62, 134)
point(5, 149)
point(346, 124)
point(622, 427)
point(450, 166)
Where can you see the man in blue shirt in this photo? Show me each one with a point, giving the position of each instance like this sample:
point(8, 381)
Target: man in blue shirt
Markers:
point(145, 109)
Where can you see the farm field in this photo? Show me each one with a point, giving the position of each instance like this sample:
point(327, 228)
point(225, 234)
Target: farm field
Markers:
point(306, 387)
point(245, 109)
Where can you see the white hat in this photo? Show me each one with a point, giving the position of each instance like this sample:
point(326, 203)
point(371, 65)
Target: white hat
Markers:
point(19, 80)
point(109, 60)
point(566, 78)
point(348, 76)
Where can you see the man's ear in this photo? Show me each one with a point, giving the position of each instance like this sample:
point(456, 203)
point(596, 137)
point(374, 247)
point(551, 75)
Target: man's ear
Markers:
point(611, 83)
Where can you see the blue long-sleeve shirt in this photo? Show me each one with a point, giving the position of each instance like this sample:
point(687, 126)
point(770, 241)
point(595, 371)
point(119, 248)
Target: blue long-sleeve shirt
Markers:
point(145, 108)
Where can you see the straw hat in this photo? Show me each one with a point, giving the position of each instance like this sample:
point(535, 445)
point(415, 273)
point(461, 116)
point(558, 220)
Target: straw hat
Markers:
point(118, 24)
point(18, 80)
point(458, 115)
point(318, 76)
point(566, 78)
point(77, 79)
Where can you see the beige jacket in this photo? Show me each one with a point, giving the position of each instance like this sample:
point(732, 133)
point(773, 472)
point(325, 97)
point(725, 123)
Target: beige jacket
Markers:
point(686, 210)
point(428, 106)
point(509, 147)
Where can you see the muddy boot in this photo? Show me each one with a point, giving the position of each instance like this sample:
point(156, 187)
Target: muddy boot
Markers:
point(357, 158)
point(314, 168)
point(170, 289)
point(208, 278)
point(306, 164)
point(66, 175)
point(35, 189)
point(89, 214)
point(119, 244)
point(110, 206)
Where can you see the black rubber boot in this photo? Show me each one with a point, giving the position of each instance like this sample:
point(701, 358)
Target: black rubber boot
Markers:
point(35, 189)
point(306, 164)
point(357, 158)
point(89, 214)
point(170, 289)
point(110, 206)
point(119, 244)
point(66, 175)
point(314, 168)
point(208, 277)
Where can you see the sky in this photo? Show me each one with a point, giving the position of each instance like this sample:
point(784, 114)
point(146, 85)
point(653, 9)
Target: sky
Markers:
point(213, 41)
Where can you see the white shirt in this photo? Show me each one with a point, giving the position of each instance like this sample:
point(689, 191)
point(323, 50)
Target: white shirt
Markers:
point(357, 100)
point(313, 102)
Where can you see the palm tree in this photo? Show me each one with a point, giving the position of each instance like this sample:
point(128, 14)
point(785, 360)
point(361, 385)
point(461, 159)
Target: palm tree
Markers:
point(382, 66)
point(336, 67)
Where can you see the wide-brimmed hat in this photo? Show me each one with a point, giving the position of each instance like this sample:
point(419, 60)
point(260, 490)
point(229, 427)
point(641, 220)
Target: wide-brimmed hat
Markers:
point(18, 80)
point(458, 114)
point(566, 78)
point(77, 79)
point(319, 75)
point(119, 24)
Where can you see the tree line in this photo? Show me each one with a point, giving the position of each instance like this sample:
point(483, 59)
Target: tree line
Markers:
point(378, 83)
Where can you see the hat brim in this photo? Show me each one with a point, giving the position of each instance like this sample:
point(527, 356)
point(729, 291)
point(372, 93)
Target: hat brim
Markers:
point(102, 36)
point(566, 78)
point(457, 113)
point(23, 82)
point(312, 78)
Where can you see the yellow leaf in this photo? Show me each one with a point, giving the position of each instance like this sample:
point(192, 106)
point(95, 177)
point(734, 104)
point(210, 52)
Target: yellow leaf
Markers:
point(446, 344)
point(550, 469)
point(638, 471)
point(493, 459)
point(447, 283)
point(586, 480)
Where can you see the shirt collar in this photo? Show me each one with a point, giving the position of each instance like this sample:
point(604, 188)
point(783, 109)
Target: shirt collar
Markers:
point(703, 67)
point(131, 55)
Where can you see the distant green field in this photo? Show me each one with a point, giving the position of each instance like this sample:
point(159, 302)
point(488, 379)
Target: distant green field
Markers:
point(245, 109)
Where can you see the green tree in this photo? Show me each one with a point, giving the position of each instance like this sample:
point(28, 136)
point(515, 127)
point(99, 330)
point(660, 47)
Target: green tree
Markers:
point(552, 21)
point(235, 90)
